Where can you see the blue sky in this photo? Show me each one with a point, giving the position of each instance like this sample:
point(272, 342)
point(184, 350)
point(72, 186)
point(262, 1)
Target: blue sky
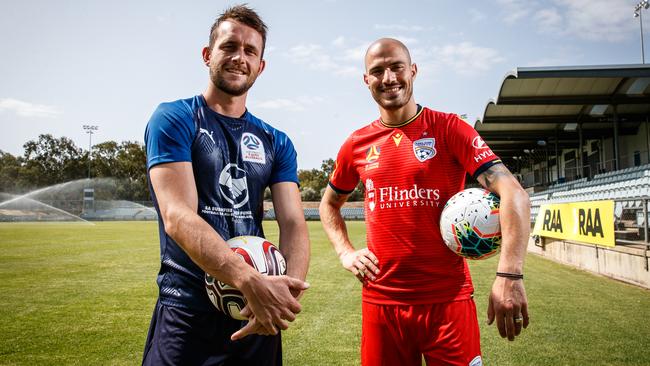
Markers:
point(110, 63)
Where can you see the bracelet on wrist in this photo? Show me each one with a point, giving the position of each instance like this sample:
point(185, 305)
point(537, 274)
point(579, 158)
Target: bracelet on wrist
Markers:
point(513, 276)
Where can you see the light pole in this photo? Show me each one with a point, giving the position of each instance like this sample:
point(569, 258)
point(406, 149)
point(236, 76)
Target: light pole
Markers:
point(638, 13)
point(90, 129)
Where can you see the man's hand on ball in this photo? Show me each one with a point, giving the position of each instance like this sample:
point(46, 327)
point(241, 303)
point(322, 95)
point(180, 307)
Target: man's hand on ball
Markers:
point(362, 263)
point(270, 304)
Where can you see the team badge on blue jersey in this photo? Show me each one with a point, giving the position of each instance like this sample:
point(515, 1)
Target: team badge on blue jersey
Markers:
point(234, 185)
point(424, 149)
point(252, 148)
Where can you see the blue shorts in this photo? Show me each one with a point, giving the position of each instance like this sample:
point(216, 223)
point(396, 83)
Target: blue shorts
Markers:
point(185, 337)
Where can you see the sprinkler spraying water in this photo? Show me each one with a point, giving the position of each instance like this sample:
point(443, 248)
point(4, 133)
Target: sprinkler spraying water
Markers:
point(68, 202)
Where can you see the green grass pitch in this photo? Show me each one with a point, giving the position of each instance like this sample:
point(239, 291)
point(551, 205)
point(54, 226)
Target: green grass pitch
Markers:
point(83, 294)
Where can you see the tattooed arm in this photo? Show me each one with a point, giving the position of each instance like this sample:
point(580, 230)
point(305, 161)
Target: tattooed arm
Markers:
point(362, 263)
point(508, 300)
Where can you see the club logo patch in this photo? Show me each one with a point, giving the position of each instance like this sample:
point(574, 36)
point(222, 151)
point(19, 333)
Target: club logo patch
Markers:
point(424, 149)
point(478, 143)
point(233, 185)
point(252, 148)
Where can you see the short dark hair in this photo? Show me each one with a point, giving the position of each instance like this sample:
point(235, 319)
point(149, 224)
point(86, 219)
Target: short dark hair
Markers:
point(243, 14)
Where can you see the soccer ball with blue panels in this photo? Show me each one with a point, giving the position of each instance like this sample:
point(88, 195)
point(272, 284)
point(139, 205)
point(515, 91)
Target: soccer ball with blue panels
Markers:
point(469, 223)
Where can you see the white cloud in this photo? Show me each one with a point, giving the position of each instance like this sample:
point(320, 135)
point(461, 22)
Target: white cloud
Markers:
point(279, 103)
point(419, 53)
point(550, 61)
point(355, 54)
point(26, 109)
point(312, 55)
point(464, 58)
point(408, 41)
point(310, 100)
point(350, 71)
point(401, 27)
point(548, 19)
point(476, 16)
point(596, 20)
point(292, 105)
point(557, 55)
point(304, 51)
point(163, 19)
point(347, 62)
point(514, 10)
point(339, 41)
point(468, 59)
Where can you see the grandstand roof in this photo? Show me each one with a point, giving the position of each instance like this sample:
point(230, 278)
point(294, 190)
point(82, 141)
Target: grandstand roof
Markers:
point(535, 102)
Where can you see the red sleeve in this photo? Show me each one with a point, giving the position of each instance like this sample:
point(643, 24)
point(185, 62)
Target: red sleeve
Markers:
point(468, 147)
point(345, 177)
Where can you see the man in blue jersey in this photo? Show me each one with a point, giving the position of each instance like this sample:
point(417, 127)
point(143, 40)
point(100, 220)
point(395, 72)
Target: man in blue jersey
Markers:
point(209, 161)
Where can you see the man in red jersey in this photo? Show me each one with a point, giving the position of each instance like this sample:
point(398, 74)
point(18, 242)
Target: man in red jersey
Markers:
point(418, 294)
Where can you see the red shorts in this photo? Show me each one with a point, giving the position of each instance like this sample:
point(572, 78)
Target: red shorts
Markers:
point(445, 334)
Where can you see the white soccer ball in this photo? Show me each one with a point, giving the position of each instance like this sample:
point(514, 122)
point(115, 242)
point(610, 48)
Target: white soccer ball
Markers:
point(469, 223)
point(260, 254)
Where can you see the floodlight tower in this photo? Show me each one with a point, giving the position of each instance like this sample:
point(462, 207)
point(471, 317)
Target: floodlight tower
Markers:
point(90, 129)
point(638, 13)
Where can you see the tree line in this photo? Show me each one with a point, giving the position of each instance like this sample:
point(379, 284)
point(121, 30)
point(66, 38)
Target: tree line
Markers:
point(48, 160)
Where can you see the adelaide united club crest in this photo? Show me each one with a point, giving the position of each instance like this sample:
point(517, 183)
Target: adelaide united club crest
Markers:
point(424, 149)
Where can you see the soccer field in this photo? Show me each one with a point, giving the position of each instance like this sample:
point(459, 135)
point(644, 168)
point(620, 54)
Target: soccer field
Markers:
point(83, 294)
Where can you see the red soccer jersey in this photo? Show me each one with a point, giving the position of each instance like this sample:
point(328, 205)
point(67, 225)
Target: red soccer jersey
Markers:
point(409, 173)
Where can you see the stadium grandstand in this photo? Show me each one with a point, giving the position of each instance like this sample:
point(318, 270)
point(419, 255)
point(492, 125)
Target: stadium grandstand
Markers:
point(311, 213)
point(574, 133)
point(556, 125)
point(578, 134)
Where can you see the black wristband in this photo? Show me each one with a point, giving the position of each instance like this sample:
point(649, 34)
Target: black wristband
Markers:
point(514, 276)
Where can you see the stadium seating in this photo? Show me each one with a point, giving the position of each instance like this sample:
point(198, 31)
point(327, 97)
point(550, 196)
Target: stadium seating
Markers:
point(630, 186)
point(311, 214)
point(623, 171)
point(119, 211)
point(269, 214)
point(348, 213)
point(352, 213)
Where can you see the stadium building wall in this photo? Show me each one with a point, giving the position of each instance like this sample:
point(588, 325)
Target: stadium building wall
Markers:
point(629, 145)
point(621, 263)
point(634, 150)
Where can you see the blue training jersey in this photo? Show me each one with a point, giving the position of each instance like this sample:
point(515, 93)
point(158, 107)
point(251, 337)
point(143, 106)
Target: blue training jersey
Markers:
point(234, 160)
